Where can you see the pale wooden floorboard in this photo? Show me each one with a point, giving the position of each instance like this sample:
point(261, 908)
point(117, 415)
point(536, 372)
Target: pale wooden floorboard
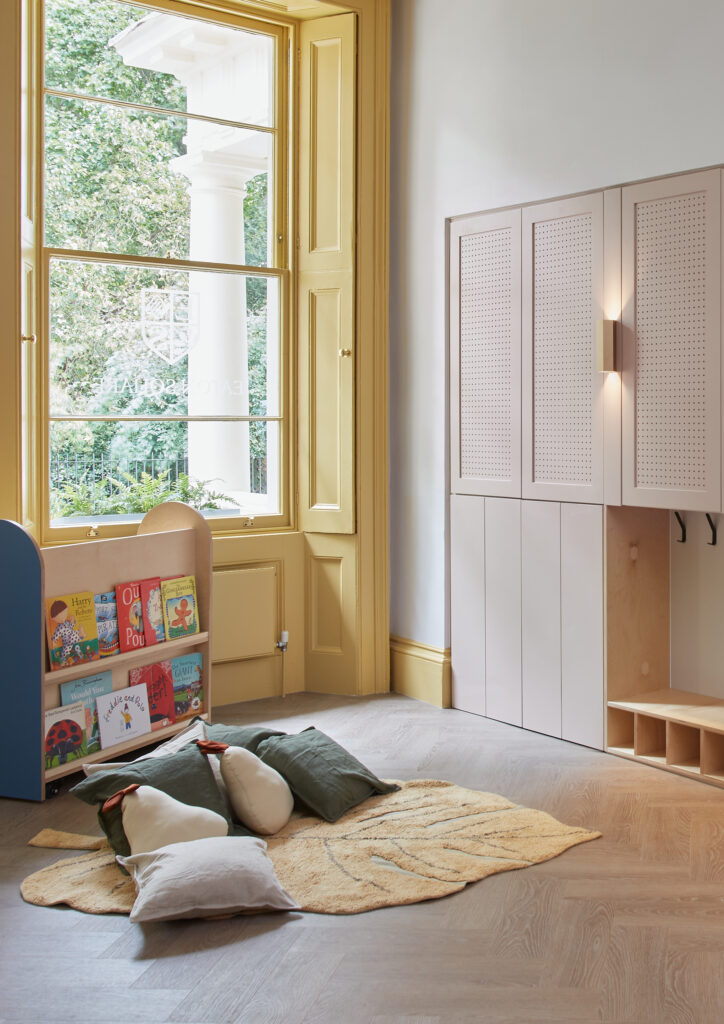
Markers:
point(628, 929)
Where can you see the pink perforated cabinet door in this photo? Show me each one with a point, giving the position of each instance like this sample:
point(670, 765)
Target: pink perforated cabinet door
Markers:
point(671, 264)
point(562, 299)
point(485, 354)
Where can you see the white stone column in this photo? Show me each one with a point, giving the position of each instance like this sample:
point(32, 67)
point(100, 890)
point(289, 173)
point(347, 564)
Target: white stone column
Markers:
point(218, 381)
point(228, 74)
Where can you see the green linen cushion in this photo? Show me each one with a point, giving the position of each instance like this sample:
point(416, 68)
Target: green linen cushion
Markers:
point(247, 736)
point(185, 775)
point(321, 773)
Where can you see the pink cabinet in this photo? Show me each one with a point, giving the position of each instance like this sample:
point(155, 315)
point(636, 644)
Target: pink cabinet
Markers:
point(671, 317)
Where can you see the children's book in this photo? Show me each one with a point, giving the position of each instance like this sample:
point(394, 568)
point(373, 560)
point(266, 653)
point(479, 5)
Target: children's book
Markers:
point(180, 616)
point(108, 642)
point(188, 684)
point(64, 734)
point(86, 690)
point(153, 628)
point(123, 714)
point(107, 623)
point(105, 605)
point(130, 617)
point(158, 679)
point(72, 633)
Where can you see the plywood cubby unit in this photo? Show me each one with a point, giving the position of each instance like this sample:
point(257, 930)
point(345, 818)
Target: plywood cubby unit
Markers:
point(172, 540)
point(648, 720)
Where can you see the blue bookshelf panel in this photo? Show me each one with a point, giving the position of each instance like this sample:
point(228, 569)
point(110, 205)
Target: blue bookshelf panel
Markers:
point(21, 671)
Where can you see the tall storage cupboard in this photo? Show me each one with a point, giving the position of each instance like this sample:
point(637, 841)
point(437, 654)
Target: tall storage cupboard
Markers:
point(527, 406)
point(586, 559)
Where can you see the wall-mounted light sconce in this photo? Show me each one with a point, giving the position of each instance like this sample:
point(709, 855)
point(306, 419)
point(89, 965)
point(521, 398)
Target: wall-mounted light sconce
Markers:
point(606, 346)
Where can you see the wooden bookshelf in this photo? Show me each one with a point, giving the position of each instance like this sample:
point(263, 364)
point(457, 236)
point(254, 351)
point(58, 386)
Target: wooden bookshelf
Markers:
point(172, 540)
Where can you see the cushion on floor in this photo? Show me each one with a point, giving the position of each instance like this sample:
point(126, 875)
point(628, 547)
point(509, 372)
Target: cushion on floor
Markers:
point(205, 878)
point(247, 736)
point(185, 775)
point(152, 819)
point(324, 776)
point(258, 795)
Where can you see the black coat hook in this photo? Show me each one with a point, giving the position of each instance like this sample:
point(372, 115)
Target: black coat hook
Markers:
point(682, 524)
point(712, 527)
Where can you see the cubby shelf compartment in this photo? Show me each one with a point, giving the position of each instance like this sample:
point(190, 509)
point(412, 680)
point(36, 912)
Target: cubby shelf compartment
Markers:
point(712, 755)
point(650, 738)
point(683, 747)
point(620, 731)
point(673, 729)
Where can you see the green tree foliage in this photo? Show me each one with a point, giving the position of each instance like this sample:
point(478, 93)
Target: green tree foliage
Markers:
point(116, 496)
point(110, 186)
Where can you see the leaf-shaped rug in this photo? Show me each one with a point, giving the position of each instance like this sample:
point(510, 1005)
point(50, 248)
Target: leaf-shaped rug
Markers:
point(426, 840)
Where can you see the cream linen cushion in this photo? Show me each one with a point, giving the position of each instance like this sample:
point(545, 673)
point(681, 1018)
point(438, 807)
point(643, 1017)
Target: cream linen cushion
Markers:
point(205, 878)
point(152, 818)
point(259, 796)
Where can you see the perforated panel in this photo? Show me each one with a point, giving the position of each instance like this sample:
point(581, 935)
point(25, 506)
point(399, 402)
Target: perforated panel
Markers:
point(563, 350)
point(671, 342)
point(485, 355)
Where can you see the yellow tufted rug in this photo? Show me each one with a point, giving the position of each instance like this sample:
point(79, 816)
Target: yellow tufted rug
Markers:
point(427, 840)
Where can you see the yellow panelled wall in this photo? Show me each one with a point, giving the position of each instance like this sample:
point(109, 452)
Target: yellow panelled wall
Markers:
point(325, 579)
point(10, 291)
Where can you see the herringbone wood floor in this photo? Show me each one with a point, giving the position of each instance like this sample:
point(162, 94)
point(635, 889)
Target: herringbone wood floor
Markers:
point(626, 929)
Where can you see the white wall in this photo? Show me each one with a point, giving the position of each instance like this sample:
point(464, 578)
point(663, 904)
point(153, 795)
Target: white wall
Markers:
point(498, 102)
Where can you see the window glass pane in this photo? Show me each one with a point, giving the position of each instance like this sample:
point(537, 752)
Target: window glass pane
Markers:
point(116, 471)
point(151, 341)
point(123, 52)
point(126, 181)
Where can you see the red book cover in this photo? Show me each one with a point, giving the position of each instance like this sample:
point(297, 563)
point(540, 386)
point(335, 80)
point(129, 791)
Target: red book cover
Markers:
point(151, 611)
point(130, 619)
point(159, 683)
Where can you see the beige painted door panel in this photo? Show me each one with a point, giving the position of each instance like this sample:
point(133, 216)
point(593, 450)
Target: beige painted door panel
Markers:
point(246, 604)
point(327, 276)
point(326, 404)
point(331, 603)
point(258, 591)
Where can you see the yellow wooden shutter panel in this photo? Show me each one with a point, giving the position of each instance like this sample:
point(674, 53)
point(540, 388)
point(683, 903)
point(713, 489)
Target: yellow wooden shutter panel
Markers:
point(326, 261)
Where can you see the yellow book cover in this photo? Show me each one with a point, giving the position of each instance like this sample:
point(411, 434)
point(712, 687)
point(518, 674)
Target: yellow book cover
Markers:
point(72, 630)
point(180, 611)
